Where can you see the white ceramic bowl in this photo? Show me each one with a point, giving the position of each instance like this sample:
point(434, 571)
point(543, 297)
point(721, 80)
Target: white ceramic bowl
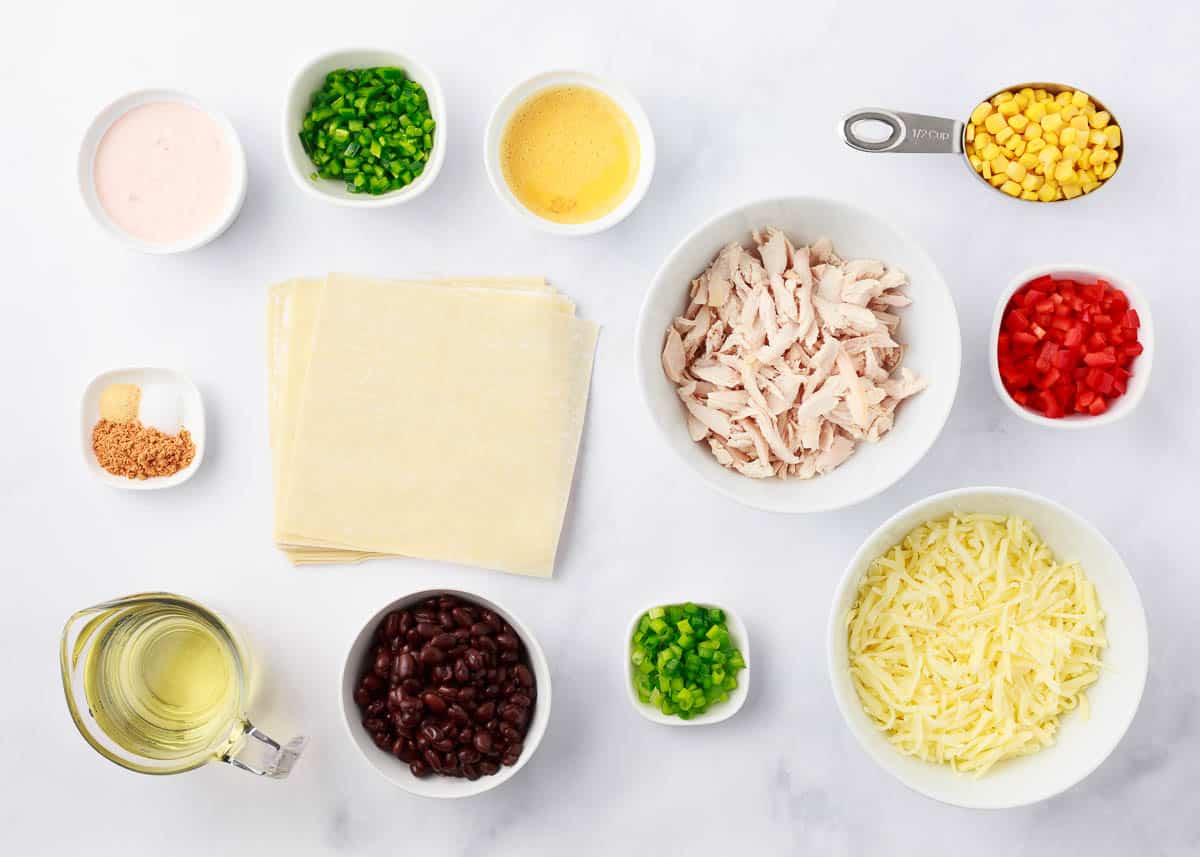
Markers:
point(929, 331)
point(309, 79)
point(1119, 407)
point(396, 771)
point(715, 714)
point(517, 96)
point(191, 410)
point(87, 156)
point(1082, 744)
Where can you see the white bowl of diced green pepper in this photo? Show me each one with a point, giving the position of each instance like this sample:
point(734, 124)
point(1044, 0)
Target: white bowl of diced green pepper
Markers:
point(711, 650)
point(380, 142)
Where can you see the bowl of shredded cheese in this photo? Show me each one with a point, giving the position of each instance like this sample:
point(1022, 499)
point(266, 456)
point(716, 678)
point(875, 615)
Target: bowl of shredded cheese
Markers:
point(988, 647)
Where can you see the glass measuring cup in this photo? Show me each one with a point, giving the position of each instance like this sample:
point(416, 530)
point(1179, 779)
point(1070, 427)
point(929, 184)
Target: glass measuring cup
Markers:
point(157, 684)
point(918, 133)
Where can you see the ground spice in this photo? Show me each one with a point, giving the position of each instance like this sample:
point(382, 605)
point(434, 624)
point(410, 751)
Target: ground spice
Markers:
point(135, 451)
point(119, 402)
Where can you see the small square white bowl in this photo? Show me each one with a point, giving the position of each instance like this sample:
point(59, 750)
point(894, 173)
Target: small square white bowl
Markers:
point(715, 714)
point(309, 79)
point(1121, 406)
point(191, 407)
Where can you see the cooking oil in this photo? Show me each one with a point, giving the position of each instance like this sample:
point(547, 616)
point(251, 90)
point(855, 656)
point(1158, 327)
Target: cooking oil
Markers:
point(163, 681)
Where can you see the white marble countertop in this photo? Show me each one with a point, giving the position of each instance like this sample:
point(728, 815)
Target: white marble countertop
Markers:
point(744, 103)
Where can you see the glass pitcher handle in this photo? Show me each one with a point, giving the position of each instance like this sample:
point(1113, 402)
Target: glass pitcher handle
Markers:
point(272, 760)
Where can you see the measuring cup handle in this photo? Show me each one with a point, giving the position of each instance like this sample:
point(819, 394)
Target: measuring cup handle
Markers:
point(910, 132)
point(273, 760)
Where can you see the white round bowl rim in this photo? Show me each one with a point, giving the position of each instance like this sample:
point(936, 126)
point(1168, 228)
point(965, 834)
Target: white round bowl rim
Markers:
point(624, 98)
point(1122, 406)
point(849, 706)
point(719, 714)
point(643, 331)
point(290, 124)
point(462, 788)
point(90, 143)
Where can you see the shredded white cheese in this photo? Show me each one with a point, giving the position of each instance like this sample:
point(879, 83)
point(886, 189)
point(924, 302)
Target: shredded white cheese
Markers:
point(968, 641)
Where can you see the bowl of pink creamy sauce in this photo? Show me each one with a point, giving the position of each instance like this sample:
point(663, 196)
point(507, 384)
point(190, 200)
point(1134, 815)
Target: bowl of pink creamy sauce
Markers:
point(161, 172)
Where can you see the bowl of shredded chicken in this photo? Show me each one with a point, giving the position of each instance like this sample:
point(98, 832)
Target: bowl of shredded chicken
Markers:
point(988, 647)
point(799, 354)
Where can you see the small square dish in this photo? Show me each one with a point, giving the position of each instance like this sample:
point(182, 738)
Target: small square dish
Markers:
point(173, 401)
point(719, 711)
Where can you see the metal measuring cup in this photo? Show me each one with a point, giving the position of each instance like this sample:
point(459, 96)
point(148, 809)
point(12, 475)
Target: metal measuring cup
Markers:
point(917, 133)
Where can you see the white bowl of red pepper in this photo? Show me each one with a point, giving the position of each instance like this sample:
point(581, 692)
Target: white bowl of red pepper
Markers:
point(1071, 346)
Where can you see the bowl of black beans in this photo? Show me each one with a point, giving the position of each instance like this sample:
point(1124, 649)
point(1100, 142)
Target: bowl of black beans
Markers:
point(446, 693)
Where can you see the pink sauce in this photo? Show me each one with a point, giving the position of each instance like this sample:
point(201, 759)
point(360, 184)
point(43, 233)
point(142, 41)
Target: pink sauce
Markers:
point(164, 172)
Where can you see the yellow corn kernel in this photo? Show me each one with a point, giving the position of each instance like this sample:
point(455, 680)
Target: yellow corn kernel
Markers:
point(1098, 138)
point(969, 134)
point(1098, 157)
point(1079, 99)
point(1067, 136)
point(1047, 193)
point(1002, 97)
point(1029, 195)
point(990, 151)
point(1063, 98)
point(1064, 173)
point(1053, 108)
point(1082, 161)
point(1113, 135)
point(1032, 182)
point(1027, 93)
point(999, 164)
point(1011, 188)
point(1015, 171)
point(998, 180)
point(1071, 153)
point(981, 112)
point(1041, 95)
point(1109, 169)
point(1070, 191)
point(1051, 138)
point(1051, 123)
point(1018, 122)
point(1034, 112)
point(1016, 145)
point(976, 162)
point(982, 138)
point(1049, 155)
point(1004, 134)
point(1021, 100)
point(1080, 123)
point(1028, 160)
point(1008, 108)
point(995, 122)
point(1069, 112)
point(986, 170)
point(1035, 146)
point(1088, 187)
point(1099, 119)
point(1033, 131)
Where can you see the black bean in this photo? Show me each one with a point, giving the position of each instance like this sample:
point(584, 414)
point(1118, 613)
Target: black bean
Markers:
point(485, 712)
point(431, 656)
point(508, 641)
point(433, 760)
point(434, 703)
point(524, 675)
point(361, 697)
point(464, 616)
point(444, 641)
point(391, 626)
point(405, 666)
point(488, 767)
point(383, 664)
point(418, 768)
point(484, 742)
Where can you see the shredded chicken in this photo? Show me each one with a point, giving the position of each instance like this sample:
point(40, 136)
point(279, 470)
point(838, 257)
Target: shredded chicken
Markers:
point(786, 357)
